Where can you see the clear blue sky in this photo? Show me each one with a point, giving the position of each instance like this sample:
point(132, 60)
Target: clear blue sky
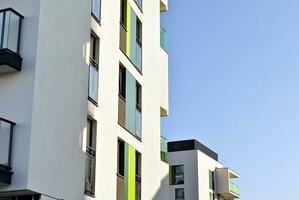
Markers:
point(234, 85)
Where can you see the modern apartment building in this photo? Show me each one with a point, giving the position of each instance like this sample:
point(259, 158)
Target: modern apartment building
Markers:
point(83, 84)
point(196, 174)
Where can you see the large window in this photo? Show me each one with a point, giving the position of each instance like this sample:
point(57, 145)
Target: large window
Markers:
point(90, 170)
point(93, 70)
point(131, 35)
point(96, 9)
point(177, 174)
point(179, 194)
point(128, 172)
point(130, 103)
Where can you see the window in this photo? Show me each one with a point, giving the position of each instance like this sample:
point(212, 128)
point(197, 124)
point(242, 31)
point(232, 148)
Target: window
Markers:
point(212, 196)
point(179, 194)
point(211, 180)
point(121, 158)
point(139, 31)
point(139, 4)
point(96, 9)
point(138, 176)
point(93, 70)
point(177, 174)
point(90, 158)
point(131, 44)
point(130, 103)
point(128, 171)
point(138, 45)
point(122, 82)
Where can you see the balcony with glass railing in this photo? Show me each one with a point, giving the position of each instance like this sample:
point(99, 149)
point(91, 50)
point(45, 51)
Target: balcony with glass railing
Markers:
point(163, 38)
point(6, 143)
point(225, 187)
point(234, 189)
point(10, 36)
point(163, 149)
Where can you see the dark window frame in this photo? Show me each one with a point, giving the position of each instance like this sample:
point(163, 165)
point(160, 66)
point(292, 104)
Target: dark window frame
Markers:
point(94, 63)
point(176, 194)
point(91, 146)
point(175, 173)
point(122, 81)
point(97, 19)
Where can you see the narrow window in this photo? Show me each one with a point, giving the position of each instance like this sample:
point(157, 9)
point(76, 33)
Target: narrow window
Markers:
point(212, 196)
point(123, 13)
point(139, 32)
point(122, 82)
point(90, 158)
point(121, 158)
point(138, 176)
point(96, 9)
point(211, 180)
point(138, 127)
point(179, 194)
point(138, 96)
point(139, 45)
point(93, 70)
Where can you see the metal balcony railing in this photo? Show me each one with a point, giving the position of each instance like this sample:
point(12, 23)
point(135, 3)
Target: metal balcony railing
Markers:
point(10, 29)
point(90, 171)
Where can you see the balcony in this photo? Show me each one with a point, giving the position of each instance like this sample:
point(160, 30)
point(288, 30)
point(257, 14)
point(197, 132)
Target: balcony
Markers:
point(6, 141)
point(10, 34)
point(225, 187)
point(163, 149)
point(163, 38)
point(233, 188)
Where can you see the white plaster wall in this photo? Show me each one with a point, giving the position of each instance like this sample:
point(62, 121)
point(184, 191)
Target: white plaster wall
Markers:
point(107, 113)
point(56, 163)
point(190, 161)
point(205, 163)
point(16, 91)
point(196, 166)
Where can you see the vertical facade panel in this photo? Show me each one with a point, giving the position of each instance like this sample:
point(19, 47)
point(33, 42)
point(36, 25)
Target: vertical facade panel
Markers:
point(133, 38)
point(132, 173)
point(130, 102)
point(128, 20)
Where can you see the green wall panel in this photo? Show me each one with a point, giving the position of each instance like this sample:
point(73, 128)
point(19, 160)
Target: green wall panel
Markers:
point(128, 19)
point(126, 188)
point(131, 43)
point(130, 173)
point(130, 102)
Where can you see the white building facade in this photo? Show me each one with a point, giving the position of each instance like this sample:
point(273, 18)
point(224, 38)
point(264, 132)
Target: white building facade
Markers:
point(83, 84)
point(196, 174)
